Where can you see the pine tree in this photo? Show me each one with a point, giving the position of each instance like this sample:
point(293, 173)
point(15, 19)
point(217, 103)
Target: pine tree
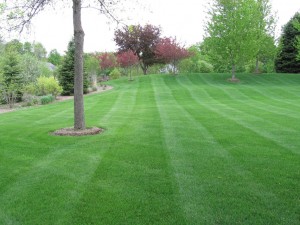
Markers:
point(12, 81)
point(67, 72)
point(286, 60)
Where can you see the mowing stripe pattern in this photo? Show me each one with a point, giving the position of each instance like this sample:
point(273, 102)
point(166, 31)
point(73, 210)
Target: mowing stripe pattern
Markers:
point(186, 149)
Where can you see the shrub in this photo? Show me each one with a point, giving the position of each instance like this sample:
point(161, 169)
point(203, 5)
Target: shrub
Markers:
point(48, 85)
point(205, 67)
point(115, 74)
point(29, 99)
point(47, 99)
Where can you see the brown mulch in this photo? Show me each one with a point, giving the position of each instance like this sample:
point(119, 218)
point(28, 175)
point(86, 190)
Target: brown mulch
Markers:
point(70, 131)
point(234, 80)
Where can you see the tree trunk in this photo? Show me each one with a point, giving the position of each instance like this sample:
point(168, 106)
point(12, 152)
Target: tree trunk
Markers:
point(79, 121)
point(233, 72)
point(144, 68)
point(257, 66)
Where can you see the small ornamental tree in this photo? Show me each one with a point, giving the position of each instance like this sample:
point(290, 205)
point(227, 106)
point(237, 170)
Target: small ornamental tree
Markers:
point(169, 51)
point(127, 60)
point(142, 40)
point(107, 62)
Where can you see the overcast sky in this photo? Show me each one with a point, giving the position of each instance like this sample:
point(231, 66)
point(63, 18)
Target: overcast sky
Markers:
point(53, 28)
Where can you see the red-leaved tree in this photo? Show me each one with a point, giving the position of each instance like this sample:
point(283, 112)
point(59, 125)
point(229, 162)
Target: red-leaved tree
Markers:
point(170, 51)
point(107, 62)
point(141, 40)
point(127, 60)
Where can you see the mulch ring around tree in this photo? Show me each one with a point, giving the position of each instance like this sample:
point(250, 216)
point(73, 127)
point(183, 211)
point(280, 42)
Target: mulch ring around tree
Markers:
point(233, 80)
point(70, 131)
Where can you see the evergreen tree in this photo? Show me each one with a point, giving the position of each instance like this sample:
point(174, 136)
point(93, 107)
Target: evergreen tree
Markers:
point(286, 60)
point(11, 80)
point(67, 72)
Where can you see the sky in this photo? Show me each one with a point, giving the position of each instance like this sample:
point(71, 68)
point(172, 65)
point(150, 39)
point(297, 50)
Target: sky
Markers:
point(183, 20)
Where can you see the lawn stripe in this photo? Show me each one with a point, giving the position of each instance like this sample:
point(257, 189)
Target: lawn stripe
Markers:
point(193, 182)
point(185, 160)
point(50, 166)
point(235, 115)
point(279, 126)
point(132, 185)
point(272, 205)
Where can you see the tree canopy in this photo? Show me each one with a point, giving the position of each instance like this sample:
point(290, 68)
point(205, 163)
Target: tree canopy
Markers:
point(142, 40)
point(232, 31)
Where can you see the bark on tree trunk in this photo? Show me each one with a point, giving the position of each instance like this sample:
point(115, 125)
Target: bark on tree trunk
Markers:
point(233, 72)
point(257, 66)
point(79, 120)
point(144, 68)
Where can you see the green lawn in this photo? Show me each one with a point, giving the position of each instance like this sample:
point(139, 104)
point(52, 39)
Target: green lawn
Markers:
point(191, 149)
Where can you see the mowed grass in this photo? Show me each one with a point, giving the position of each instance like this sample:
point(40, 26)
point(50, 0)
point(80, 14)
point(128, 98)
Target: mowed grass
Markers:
point(190, 149)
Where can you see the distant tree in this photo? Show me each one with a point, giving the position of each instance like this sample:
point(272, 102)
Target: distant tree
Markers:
point(30, 67)
point(91, 64)
point(39, 51)
point(266, 54)
point(66, 71)
point(27, 48)
point(2, 45)
point(297, 44)
point(11, 80)
point(54, 57)
point(170, 51)
point(141, 40)
point(287, 57)
point(265, 34)
point(107, 62)
point(14, 46)
point(127, 60)
point(232, 31)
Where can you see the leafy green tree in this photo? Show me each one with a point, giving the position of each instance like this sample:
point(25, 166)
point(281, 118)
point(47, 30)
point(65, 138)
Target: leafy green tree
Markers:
point(287, 57)
point(14, 46)
point(11, 80)
point(54, 57)
point(92, 68)
point(265, 34)
point(67, 73)
point(198, 62)
point(30, 66)
point(27, 48)
point(232, 31)
point(39, 51)
point(266, 54)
